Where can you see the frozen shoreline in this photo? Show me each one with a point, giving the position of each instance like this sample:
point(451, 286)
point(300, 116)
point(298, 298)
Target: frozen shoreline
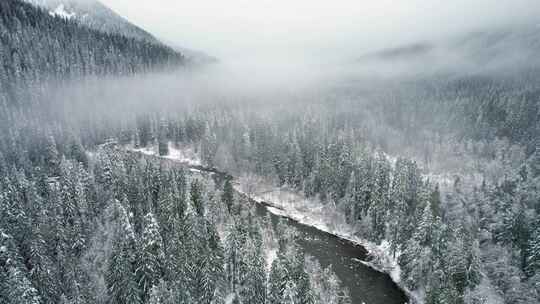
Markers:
point(286, 203)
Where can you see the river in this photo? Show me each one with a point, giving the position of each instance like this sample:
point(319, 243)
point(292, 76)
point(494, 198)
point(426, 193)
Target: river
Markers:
point(365, 284)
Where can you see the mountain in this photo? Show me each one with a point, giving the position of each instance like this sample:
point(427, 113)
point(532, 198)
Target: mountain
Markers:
point(512, 46)
point(95, 15)
point(478, 85)
point(51, 48)
point(401, 52)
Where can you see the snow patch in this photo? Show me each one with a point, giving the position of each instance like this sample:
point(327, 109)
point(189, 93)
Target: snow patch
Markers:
point(229, 299)
point(271, 255)
point(61, 12)
point(184, 155)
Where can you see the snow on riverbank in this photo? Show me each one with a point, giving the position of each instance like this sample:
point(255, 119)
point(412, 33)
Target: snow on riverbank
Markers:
point(325, 217)
point(291, 204)
point(184, 155)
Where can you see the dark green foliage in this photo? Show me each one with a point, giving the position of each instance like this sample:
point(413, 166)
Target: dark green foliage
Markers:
point(165, 247)
point(196, 196)
point(533, 253)
point(121, 279)
point(228, 195)
point(15, 287)
point(66, 49)
point(84, 222)
point(163, 144)
point(151, 256)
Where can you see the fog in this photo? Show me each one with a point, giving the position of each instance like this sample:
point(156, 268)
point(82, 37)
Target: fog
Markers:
point(409, 127)
point(294, 57)
point(278, 52)
point(322, 31)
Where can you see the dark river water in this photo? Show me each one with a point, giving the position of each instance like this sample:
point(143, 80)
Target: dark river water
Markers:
point(365, 284)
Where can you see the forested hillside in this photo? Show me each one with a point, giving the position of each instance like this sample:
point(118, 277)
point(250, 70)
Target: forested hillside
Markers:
point(93, 224)
point(117, 228)
point(37, 48)
point(467, 244)
point(83, 220)
point(480, 86)
point(476, 106)
point(94, 15)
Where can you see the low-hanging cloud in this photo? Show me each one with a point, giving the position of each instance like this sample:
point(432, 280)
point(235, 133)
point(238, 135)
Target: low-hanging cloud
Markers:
point(319, 30)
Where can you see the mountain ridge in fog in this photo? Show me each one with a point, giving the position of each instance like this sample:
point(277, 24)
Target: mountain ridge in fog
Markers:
point(514, 47)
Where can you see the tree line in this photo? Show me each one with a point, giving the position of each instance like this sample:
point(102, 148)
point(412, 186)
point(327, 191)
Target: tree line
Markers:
point(445, 240)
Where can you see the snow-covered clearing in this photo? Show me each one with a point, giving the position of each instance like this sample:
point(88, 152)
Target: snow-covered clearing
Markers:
point(229, 299)
point(61, 12)
point(185, 155)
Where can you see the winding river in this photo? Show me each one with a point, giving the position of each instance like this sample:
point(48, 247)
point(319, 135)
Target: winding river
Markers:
point(365, 284)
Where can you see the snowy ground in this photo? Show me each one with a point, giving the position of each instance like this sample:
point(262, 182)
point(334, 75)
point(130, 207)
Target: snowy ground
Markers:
point(61, 12)
point(185, 155)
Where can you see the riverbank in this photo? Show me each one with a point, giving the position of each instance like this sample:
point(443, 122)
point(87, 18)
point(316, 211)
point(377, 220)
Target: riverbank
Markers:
point(324, 217)
point(290, 204)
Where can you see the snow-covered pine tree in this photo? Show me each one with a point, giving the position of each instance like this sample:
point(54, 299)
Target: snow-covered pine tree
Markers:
point(120, 279)
point(379, 198)
point(15, 287)
point(151, 257)
point(533, 256)
point(228, 195)
point(277, 281)
point(252, 282)
point(163, 140)
point(196, 196)
point(348, 203)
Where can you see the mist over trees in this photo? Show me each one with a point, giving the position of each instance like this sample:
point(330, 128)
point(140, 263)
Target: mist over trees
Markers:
point(38, 47)
point(445, 239)
point(84, 221)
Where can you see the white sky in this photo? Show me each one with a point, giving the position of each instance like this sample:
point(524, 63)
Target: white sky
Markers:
point(342, 28)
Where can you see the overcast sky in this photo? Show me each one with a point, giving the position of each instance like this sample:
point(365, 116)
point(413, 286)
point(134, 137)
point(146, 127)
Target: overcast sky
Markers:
point(237, 28)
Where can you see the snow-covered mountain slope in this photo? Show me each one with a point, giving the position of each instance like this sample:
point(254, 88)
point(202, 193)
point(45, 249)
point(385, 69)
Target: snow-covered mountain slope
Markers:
point(94, 14)
point(512, 46)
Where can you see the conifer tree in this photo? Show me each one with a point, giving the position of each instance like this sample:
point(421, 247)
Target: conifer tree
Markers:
point(163, 143)
point(196, 196)
point(15, 287)
point(120, 278)
point(252, 274)
point(52, 159)
point(533, 256)
point(277, 281)
point(228, 195)
point(151, 256)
